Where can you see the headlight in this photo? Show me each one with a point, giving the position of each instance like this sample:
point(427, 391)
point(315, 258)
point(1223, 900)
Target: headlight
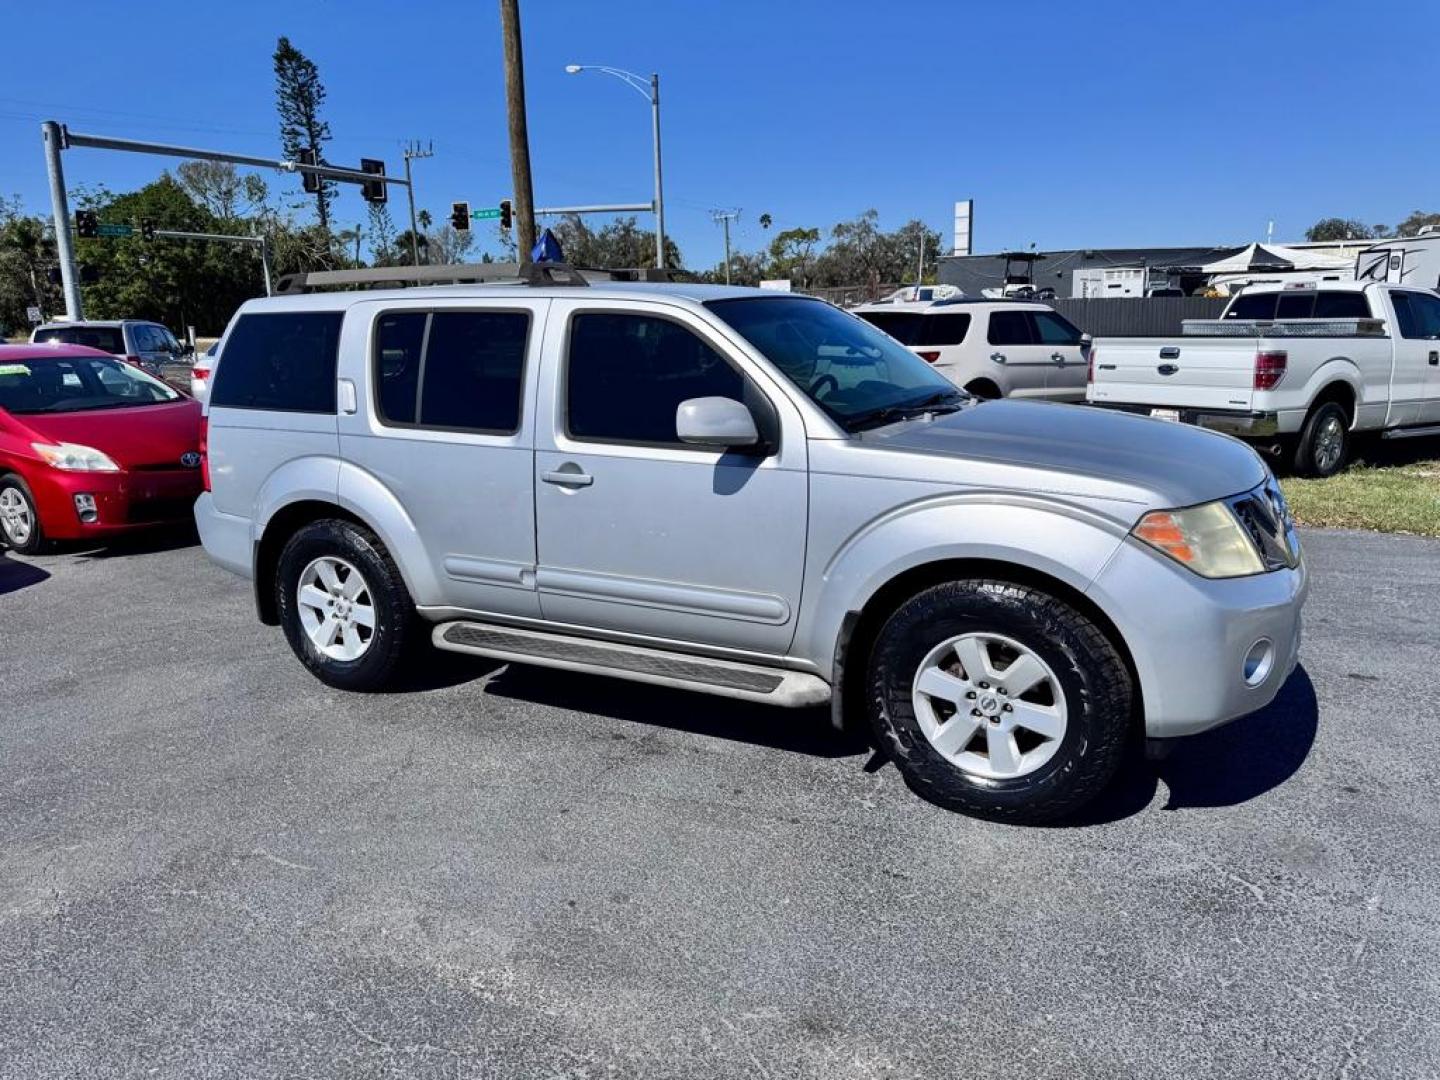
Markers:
point(74, 458)
point(1208, 539)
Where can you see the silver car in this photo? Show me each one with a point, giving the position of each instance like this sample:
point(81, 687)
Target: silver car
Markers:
point(753, 495)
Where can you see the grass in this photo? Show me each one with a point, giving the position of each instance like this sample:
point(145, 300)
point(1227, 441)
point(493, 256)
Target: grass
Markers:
point(1391, 487)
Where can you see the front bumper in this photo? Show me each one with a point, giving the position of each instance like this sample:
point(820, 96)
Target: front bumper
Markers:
point(1244, 424)
point(125, 501)
point(1189, 636)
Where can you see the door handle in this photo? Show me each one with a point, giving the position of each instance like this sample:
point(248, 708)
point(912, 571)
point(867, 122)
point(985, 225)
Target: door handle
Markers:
point(1059, 358)
point(998, 357)
point(573, 476)
point(1435, 359)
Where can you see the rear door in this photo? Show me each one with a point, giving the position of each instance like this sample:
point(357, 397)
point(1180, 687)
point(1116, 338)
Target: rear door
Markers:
point(1059, 339)
point(1415, 384)
point(447, 426)
point(1022, 364)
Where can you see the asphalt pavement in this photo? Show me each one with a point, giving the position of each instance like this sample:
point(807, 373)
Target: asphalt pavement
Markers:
point(212, 865)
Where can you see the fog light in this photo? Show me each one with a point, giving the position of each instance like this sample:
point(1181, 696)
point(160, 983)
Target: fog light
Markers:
point(85, 507)
point(1258, 662)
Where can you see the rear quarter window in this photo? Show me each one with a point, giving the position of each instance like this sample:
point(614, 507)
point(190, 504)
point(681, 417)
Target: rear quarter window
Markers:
point(280, 361)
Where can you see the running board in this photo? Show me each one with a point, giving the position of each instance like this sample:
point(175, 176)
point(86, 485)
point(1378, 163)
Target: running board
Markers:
point(1411, 432)
point(727, 678)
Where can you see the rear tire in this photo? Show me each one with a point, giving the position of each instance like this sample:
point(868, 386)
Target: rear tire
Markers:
point(1324, 446)
point(343, 605)
point(1071, 685)
point(19, 519)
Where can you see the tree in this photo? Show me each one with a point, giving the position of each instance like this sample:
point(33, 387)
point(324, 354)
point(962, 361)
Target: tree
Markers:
point(1417, 220)
point(791, 253)
point(26, 253)
point(1334, 228)
point(383, 251)
point(619, 244)
point(219, 188)
point(299, 94)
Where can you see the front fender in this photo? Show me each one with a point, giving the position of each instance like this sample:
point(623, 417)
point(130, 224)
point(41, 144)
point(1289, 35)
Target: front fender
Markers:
point(1064, 542)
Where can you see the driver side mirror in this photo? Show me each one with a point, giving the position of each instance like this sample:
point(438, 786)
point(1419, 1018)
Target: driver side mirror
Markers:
point(720, 423)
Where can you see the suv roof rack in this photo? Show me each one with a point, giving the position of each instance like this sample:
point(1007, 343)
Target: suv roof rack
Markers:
point(494, 273)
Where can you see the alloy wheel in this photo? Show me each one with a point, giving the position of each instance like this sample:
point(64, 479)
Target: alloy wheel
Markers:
point(16, 516)
point(1329, 444)
point(336, 608)
point(989, 705)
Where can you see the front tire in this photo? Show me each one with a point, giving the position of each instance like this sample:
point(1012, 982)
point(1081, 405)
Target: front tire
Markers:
point(343, 605)
point(1324, 446)
point(999, 700)
point(19, 519)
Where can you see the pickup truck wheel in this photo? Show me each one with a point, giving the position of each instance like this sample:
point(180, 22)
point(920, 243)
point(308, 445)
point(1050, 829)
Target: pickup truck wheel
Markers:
point(1324, 445)
point(19, 520)
point(999, 700)
point(343, 605)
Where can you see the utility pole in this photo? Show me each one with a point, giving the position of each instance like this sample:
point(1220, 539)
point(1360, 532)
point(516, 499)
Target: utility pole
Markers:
point(519, 133)
point(413, 151)
point(723, 218)
point(920, 271)
point(659, 188)
point(60, 209)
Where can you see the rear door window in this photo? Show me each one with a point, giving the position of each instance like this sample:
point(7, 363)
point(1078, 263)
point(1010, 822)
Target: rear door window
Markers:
point(450, 370)
point(1010, 328)
point(280, 361)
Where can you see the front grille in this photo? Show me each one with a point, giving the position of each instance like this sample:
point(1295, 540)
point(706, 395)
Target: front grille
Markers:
point(1263, 514)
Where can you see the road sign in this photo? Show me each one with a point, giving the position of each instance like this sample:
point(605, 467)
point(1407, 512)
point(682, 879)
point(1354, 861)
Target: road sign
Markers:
point(34, 315)
point(486, 214)
point(114, 231)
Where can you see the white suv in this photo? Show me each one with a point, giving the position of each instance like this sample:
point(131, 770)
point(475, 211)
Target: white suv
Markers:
point(992, 348)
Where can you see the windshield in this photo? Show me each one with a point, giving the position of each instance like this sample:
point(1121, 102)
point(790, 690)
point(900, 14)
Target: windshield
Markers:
point(105, 338)
point(859, 376)
point(56, 384)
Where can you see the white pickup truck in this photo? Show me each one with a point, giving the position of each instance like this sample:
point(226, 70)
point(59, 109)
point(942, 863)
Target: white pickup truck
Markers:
point(1298, 368)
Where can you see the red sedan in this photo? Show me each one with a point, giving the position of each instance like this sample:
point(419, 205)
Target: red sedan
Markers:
point(90, 447)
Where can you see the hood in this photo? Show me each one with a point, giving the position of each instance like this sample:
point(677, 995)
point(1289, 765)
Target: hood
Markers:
point(1164, 463)
point(140, 435)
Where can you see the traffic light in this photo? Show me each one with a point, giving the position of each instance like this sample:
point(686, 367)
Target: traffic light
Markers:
point(87, 223)
point(460, 216)
point(507, 213)
point(373, 191)
point(147, 229)
point(309, 179)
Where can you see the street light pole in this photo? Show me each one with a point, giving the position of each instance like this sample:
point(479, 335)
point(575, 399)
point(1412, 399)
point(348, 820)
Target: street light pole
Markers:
point(59, 207)
point(650, 89)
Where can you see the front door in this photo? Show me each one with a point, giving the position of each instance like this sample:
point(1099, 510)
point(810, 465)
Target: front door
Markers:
point(1414, 389)
point(640, 533)
point(1059, 340)
point(1426, 309)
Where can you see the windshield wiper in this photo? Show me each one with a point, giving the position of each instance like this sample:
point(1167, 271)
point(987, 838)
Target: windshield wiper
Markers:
point(942, 401)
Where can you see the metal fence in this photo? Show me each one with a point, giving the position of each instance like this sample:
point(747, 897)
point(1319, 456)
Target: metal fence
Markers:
point(1160, 316)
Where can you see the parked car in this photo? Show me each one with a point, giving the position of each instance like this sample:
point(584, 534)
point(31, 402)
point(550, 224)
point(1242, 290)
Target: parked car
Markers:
point(147, 345)
point(1298, 368)
point(90, 447)
point(750, 494)
point(991, 348)
point(200, 371)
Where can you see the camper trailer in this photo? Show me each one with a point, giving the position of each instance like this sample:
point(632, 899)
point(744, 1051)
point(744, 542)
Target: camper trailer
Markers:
point(1405, 260)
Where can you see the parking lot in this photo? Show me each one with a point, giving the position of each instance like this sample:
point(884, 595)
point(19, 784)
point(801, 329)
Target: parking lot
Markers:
point(213, 865)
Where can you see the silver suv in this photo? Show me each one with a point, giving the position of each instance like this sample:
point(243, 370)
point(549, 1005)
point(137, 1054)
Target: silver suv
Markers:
point(753, 495)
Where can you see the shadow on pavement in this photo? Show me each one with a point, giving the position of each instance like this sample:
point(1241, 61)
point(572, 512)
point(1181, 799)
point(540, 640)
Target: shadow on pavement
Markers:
point(148, 542)
point(1225, 766)
point(800, 731)
point(15, 576)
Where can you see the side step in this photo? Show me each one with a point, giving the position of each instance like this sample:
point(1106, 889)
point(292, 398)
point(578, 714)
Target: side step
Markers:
point(750, 682)
point(1411, 432)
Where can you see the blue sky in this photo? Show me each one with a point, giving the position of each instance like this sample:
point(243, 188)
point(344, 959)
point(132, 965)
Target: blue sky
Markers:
point(1076, 124)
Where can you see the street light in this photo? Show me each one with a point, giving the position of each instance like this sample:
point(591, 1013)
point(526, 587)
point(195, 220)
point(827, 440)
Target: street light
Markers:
point(650, 89)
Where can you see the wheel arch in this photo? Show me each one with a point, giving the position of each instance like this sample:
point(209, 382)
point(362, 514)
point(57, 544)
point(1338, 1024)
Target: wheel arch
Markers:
point(860, 626)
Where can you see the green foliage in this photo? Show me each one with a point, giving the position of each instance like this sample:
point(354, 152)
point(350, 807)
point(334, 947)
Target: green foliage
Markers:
point(299, 94)
point(25, 256)
point(1417, 220)
point(619, 243)
point(1334, 228)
